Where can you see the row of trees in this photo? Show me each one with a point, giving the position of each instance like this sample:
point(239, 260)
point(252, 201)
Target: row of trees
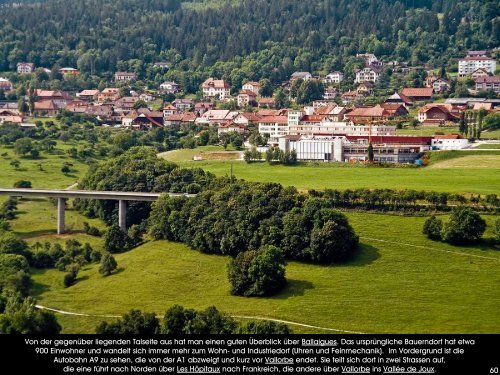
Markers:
point(402, 200)
point(182, 321)
point(277, 155)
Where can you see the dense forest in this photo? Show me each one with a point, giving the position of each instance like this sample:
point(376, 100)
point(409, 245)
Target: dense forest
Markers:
point(247, 39)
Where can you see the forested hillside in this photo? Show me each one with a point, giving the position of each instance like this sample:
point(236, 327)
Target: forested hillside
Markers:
point(247, 39)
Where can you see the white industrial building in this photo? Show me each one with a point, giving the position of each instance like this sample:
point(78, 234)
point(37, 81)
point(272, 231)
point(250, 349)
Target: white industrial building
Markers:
point(390, 149)
point(449, 142)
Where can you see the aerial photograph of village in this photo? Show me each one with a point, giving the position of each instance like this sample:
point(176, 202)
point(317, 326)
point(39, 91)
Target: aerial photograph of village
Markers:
point(249, 167)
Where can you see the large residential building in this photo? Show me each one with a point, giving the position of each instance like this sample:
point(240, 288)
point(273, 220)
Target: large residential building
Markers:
point(471, 63)
point(216, 88)
point(274, 126)
point(488, 83)
point(125, 76)
point(334, 77)
point(327, 120)
point(25, 67)
point(368, 74)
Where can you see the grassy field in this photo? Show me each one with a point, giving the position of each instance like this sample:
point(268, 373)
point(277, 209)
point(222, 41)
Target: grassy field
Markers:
point(482, 176)
point(399, 282)
point(37, 222)
point(44, 172)
point(488, 146)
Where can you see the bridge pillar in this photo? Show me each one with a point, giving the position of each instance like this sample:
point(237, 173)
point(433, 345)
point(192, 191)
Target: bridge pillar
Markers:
point(61, 207)
point(122, 215)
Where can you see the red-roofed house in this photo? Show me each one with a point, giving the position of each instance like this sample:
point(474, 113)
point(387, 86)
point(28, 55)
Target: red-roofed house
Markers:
point(252, 86)
point(488, 83)
point(363, 115)
point(109, 94)
point(436, 114)
point(399, 99)
point(213, 88)
point(392, 110)
point(481, 72)
point(231, 127)
point(46, 108)
point(247, 118)
point(275, 126)
point(418, 93)
point(170, 110)
point(266, 102)
point(88, 95)
point(180, 118)
point(246, 98)
point(202, 107)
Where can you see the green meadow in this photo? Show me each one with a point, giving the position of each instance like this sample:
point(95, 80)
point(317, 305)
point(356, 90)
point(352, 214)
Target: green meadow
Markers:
point(477, 175)
point(398, 282)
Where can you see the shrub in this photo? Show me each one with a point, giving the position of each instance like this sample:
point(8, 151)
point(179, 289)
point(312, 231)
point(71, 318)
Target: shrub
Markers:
point(116, 240)
point(69, 279)
point(334, 241)
point(179, 321)
point(265, 327)
point(464, 227)
point(133, 323)
point(432, 228)
point(22, 184)
point(108, 264)
point(257, 273)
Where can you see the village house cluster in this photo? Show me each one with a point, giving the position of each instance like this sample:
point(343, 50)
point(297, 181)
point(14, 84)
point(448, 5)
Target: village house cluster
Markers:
point(335, 128)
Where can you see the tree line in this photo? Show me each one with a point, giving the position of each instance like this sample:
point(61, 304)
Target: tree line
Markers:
point(179, 320)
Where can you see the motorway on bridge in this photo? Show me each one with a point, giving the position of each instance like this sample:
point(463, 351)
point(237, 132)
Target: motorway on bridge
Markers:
point(61, 195)
point(84, 194)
